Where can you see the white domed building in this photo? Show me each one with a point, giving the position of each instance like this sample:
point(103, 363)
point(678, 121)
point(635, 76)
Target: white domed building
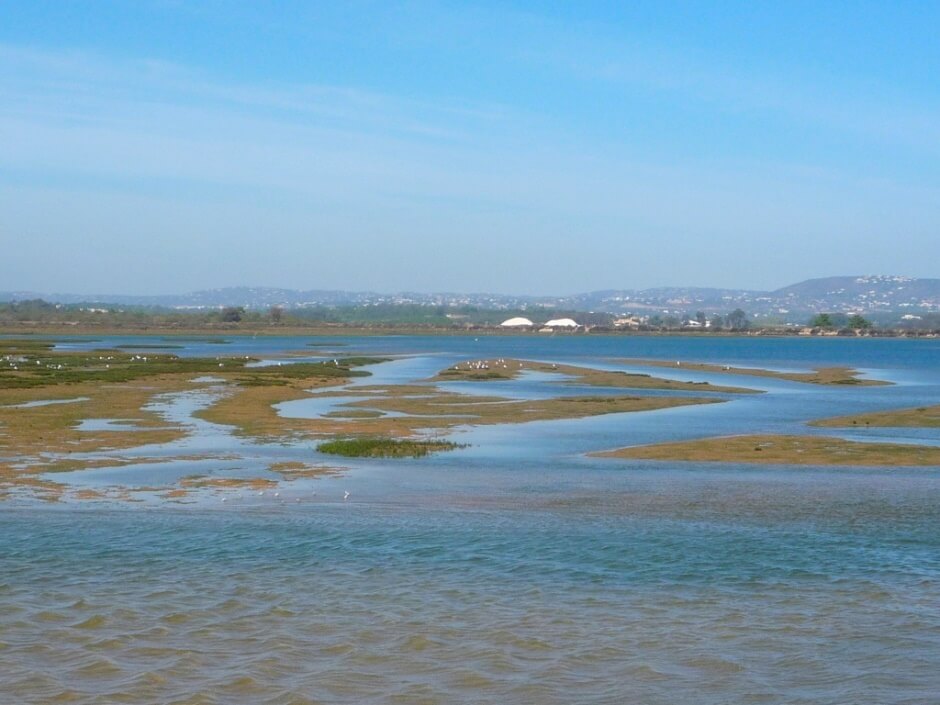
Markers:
point(517, 322)
point(566, 323)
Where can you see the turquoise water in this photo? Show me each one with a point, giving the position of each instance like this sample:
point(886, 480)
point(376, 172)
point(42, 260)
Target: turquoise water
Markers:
point(517, 570)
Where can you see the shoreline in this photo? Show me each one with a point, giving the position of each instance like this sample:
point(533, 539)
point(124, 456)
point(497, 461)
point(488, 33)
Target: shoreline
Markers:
point(344, 330)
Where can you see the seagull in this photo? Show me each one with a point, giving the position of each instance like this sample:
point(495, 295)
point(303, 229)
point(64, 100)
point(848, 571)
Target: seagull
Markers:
point(346, 494)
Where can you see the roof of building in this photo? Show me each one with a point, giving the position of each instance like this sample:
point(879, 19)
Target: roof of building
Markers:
point(518, 321)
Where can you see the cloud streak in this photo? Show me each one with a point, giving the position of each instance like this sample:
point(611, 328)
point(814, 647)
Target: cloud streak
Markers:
point(102, 151)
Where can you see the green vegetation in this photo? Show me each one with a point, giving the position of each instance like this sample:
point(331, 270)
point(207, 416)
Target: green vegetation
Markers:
point(384, 447)
point(822, 320)
point(30, 364)
point(840, 321)
point(38, 312)
point(114, 384)
point(737, 320)
point(859, 322)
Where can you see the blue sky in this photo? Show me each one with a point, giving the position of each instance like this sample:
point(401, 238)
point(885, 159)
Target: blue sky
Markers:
point(163, 146)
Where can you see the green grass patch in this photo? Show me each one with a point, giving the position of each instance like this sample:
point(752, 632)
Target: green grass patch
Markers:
point(385, 447)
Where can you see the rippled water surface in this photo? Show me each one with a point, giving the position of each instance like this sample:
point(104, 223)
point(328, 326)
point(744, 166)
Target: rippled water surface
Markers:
point(517, 570)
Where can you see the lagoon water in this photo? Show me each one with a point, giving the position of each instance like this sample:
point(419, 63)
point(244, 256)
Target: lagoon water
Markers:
point(516, 570)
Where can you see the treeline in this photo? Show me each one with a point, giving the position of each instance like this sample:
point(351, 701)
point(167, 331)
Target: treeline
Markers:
point(41, 312)
point(921, 323)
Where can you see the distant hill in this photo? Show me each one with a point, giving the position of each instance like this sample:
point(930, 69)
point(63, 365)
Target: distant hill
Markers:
point(872, 293)
point(850, 294)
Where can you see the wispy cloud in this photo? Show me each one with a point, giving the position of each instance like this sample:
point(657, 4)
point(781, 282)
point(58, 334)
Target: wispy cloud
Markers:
point(105, 145)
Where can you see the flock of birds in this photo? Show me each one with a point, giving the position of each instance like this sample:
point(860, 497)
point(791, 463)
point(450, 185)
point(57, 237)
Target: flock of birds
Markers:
point(484, 364)
point(277, 495)
point(15, 361)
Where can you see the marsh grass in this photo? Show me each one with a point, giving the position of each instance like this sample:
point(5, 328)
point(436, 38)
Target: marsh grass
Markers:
point(385, 447)
point(919, 417)
point(785, 450)
point(508, 369)
point(820, 375)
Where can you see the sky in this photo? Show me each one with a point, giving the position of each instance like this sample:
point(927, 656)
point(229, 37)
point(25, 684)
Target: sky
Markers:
point(164, 146)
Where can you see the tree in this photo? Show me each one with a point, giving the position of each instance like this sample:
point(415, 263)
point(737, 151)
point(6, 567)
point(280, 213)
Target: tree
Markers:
point(700, 318)
point(737, 320)
point(858, 322)
point(718, 322)
point(232, 314)
point(821, 320)
point(276, 313)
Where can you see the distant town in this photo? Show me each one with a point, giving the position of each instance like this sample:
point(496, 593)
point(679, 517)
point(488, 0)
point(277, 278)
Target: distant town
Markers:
point(859, 304)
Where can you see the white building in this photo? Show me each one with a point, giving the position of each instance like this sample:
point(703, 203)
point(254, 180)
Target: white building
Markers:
point(517, 322)
point(562, 323)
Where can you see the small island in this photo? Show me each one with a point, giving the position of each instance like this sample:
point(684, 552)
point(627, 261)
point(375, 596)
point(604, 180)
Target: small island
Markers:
point(385, 447)
point(820, 375)
point(919, 417)
point(509, 368)
point(784, 450)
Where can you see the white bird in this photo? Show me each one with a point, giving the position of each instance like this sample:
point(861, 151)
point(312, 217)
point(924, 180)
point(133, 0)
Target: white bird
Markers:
point(277, 494)
point(346, 494)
